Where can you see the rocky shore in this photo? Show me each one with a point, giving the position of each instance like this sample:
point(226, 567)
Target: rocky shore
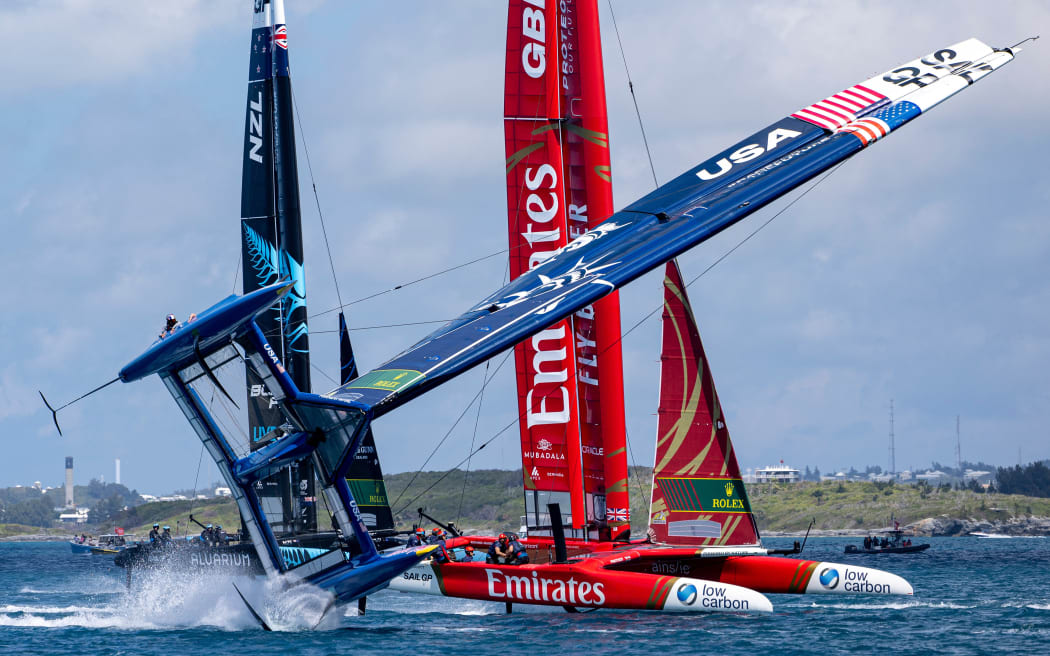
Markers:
point(953, 526)
point(943, 526)
point(36, 537)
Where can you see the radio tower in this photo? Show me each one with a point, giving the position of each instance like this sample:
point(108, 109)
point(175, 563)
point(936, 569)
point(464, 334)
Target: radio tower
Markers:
point(893, 454)
point(958, 446)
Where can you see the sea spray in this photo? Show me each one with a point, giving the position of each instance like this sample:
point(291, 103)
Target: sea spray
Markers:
point(168, 598)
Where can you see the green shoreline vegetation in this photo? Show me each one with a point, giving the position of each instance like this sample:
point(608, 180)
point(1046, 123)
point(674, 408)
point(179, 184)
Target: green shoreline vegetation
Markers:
point(490, 501)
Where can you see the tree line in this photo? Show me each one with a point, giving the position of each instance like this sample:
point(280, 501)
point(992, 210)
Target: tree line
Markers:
point(1031, 480)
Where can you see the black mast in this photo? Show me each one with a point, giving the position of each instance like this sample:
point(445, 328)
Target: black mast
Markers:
point(365, 477)
point(290, 242)
point(272, 249)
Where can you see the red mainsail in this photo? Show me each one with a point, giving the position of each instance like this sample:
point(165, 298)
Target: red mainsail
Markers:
point(698, 496)
point(558, 186)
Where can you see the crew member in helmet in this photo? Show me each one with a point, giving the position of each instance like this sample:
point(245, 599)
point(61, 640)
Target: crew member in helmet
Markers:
point(468, 554)
point(518, 555)
point(171, 324)
point(499, 551)
point(208, 535)
point(154, 535)
point(220, 537)
point(165, 537)
point(418, 538)
point(441, 555)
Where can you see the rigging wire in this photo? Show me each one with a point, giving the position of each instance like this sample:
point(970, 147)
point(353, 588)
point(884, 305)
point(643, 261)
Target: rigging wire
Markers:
point(508, 251)
point(473, 439)
point(477, 419)
point(473, 453)
point(236, 273)
point(630, 448)
point(388, 325)
point(317, 200)
point(630, 85)
point(196, 477)
point(443, 439)
point(323, 372)
point(411, 282)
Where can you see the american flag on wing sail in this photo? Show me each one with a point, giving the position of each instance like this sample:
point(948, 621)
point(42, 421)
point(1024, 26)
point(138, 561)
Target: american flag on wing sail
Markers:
point(878, 124)
point(842, 108)
point(867, 129)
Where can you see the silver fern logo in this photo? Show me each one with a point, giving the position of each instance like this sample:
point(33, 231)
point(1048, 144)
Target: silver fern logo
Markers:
point(262, 257)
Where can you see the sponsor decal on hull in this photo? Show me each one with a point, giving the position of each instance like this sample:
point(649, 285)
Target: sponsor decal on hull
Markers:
point(835, 578)
point(533, 587)
point(205, 559)
point(386, 379)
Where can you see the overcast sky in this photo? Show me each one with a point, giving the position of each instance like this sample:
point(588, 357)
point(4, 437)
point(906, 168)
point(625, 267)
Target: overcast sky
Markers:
point(918, 272)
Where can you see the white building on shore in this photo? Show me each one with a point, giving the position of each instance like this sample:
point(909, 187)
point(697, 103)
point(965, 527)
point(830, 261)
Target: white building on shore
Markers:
point(777, 474)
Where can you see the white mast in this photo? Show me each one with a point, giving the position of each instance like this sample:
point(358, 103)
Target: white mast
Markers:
point(893, 454)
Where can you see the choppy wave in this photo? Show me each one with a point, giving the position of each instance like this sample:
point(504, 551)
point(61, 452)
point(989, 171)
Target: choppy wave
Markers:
point(863, 604)
point(968, 594)
point(46, 610)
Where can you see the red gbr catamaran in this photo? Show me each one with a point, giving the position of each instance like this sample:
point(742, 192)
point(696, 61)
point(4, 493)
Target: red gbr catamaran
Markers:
point(704, 552)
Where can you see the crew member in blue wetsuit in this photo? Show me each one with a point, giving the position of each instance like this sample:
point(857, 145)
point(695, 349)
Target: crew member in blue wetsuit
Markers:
point(468, 554)
point(499, 551)
point(518, 555)
point(441, 555)
point(418, 538)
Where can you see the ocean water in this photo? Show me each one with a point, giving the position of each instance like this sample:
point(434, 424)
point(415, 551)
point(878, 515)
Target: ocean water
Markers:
point(972, 596)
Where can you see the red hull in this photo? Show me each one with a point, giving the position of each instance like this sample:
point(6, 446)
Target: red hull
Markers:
point(766, 574)
point(600, 581)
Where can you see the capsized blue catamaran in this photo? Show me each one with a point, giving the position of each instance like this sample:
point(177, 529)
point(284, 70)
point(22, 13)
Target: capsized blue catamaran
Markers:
point(200, 361)
point(273, 482)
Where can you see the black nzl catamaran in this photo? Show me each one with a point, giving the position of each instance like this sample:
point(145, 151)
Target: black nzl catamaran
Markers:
point(272, 251)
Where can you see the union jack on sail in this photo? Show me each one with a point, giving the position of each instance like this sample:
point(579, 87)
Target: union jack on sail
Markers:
point(280, 37)
point(618, 514)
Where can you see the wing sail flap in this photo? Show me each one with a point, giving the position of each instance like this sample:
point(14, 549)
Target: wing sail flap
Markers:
point(698, 496)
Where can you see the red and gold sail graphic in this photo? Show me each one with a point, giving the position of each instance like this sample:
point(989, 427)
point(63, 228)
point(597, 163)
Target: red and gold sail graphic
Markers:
point(558, 186)
point(698, 497)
